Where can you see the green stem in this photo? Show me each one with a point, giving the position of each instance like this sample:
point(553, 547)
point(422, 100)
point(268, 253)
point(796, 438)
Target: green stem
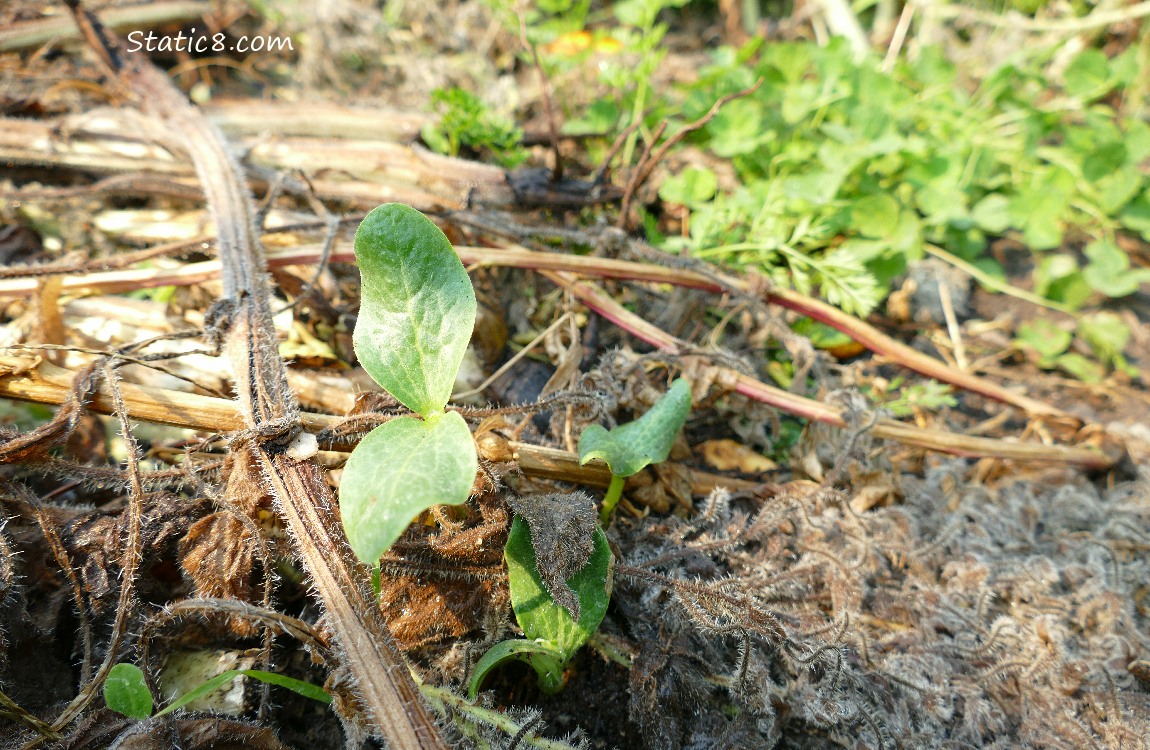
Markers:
point(449, 703)
point(544, 658)
point(614, 493)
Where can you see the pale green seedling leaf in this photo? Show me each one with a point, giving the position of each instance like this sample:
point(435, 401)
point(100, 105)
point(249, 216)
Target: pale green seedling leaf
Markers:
point(402, 468)
point(538, 614)
point(417, 310)
point(126, 692)
point(648, 440)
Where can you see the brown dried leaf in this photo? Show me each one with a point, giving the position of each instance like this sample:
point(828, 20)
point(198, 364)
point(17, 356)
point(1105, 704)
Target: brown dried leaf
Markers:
point(218, 554)
point(438, 586)
point(562, 533)
point(731, 455)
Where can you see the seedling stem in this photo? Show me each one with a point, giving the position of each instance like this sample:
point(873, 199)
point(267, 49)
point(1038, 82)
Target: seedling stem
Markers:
point(611, 499)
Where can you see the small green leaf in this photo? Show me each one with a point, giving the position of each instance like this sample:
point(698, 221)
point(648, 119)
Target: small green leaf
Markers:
point(736, 129)
point(691, 186)
point(1106, 334)
point(600, 118)
point(417, 310)
point(647, 440)
point(546, 660)
point(540, 617)
point(1136, 215)
point(1117, 189)
point(126, 692)
point(1109, 270)
point(821, 335)
point(875, 215)
point(1045, 338)
point(1104, 159)
point(1081, 367)
point(1088, 75)
point(1057, 277)
point(402, 468)
point(992, 213)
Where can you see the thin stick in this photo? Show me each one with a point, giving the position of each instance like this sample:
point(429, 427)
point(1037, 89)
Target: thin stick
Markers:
point(544, 91)
point(898, 38)
point(952, 325)
point(994, 284)
point(1097, 19)
point(639, 175)
point(511, 362)
point(52, 535)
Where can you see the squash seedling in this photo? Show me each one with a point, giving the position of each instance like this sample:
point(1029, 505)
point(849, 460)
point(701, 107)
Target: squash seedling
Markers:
point(416, 315)
point(628, 448)
point(555, 632)
point(552, 634)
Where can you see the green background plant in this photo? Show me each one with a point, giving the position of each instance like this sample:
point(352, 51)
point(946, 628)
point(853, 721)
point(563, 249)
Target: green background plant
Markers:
point(464, 120)
point(847, 171)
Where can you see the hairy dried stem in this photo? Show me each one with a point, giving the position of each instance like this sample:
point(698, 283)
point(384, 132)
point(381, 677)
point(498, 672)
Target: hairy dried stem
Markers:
point(269, 410)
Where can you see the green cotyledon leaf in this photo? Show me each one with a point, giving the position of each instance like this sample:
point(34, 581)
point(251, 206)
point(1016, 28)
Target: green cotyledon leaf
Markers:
point(126, 692)
point(417, 310)
point(538, 614)
point(402, 468)
point(648, 440)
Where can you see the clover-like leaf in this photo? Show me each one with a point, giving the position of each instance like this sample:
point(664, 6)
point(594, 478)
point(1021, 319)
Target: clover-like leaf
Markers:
point(402, 468)
point(126, 692)
point(417, 310)
point(648, 440)
point(1109, 270)
point(538, 614)
point(692, 186)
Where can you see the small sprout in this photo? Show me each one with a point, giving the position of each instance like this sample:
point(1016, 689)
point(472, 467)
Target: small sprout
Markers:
point(126, 692)
point(416, 315)
point(552, 635)
point(627, 449)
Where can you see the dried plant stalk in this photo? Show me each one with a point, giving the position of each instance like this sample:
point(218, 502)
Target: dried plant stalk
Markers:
point(243, 320)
